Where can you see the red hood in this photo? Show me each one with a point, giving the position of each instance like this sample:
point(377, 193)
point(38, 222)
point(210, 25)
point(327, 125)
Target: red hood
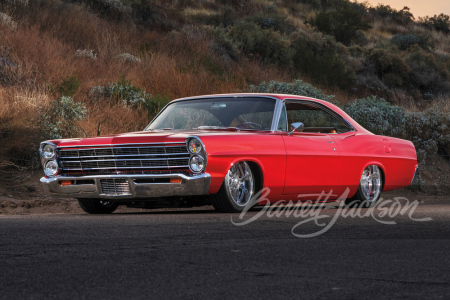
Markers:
point(144, 137)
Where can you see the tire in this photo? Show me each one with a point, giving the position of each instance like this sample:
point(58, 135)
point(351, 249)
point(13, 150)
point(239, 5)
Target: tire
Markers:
point(95, 206)
point(369, 189)
point(237, 189)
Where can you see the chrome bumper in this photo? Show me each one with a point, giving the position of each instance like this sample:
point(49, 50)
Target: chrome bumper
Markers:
point(190, 186)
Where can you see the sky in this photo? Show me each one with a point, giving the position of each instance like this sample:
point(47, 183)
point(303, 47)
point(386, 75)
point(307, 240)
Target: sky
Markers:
point(419, 8)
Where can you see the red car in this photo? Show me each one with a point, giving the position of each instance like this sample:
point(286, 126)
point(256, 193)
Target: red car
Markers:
point(223, 149)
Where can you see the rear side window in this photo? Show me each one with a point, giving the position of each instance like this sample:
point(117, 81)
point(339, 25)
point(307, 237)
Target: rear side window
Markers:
point(314, 118)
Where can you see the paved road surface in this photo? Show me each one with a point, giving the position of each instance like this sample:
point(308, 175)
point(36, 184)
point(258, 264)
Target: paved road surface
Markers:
point(192, 253)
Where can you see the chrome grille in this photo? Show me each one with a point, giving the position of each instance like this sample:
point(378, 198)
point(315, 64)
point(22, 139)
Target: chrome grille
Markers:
point(115, 187)
point(160, 156)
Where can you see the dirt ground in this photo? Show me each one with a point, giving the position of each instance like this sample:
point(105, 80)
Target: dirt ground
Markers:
point(30, 199)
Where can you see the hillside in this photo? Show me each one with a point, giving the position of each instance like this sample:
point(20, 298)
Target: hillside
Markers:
point(82, 68)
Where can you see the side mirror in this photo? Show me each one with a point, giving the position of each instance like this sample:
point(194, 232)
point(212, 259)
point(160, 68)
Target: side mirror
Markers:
point(296, 127)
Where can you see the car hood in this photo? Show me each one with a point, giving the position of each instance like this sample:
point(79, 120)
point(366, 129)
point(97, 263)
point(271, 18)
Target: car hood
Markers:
point(146, 137)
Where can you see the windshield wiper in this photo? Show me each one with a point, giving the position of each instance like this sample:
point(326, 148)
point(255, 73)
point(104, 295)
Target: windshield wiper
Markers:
point(162, 129)
point(216, 127)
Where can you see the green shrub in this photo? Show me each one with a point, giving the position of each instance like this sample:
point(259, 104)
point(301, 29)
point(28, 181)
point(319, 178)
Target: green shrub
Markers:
point(390, 68)
point(405, 41)
point(69, 85)
point(297, 88)
point(377, 115)
point(266, 45)
point(321, 65)
point(224, 18)
point(437, 22)
point(430, 132)
point(272, 21)
point(386, 12)
point(343, 24)
point(428, 73)
point(110, 9)
point(125, 93)
point(60, 120)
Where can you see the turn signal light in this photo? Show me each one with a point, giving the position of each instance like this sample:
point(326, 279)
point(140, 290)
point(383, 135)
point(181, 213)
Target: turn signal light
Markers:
point(65, 182)
point(175, 180)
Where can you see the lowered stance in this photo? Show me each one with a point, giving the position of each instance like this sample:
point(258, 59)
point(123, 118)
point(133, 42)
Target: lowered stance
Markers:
point(224, 149)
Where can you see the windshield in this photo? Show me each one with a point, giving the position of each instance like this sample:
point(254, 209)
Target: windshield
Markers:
point(242, 113)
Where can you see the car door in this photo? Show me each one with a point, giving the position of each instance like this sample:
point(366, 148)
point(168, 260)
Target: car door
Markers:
point(312, 163)
point(312, 155)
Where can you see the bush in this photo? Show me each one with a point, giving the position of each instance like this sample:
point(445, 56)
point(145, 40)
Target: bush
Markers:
point(273, 22)
point(343, 24)
point(267, 45)
point(110, 9)
point(321, 65)
point(430, 132)
point(297, 88)
point(401, 17)
point(390, 68)
point(377, 115)
point(69, 85)
point(125, 93)
point(405, 41)
point(437, 22)
point(128, 58)
point(60, 121)
point(428, 74)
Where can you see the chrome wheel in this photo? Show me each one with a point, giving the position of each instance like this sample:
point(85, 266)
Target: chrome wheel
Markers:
point(239, 183)
point(371, 183)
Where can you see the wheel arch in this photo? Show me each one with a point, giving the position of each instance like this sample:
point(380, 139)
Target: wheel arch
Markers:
point(382, 169)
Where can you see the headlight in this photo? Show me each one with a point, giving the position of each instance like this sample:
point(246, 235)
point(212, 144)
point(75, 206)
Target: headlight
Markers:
point(51, 168)
point(48, 151)
point(196, 163)
point(195, 146)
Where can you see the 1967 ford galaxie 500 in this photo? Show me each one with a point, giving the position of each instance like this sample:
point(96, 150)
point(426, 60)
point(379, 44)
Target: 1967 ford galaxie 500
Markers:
point(224, 149)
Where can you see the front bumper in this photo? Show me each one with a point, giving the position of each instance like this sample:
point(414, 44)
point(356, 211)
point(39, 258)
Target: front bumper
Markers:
point(138, 187)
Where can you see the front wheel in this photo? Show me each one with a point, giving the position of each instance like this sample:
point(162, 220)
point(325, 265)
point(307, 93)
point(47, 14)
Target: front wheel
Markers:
point(95, 206)
point(369, 189)
point(236, 190)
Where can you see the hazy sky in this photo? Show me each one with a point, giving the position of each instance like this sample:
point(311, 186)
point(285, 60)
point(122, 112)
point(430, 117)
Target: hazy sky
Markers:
point(419, 8)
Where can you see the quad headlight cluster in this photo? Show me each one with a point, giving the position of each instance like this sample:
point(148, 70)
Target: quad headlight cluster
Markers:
point(48, 159)
point(197, 161)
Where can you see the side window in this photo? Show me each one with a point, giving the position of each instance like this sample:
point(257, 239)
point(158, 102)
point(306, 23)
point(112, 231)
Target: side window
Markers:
point(314, 118)
point(282, 123)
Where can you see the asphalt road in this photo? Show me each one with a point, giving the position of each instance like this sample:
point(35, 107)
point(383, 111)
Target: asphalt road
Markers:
point(192, 253)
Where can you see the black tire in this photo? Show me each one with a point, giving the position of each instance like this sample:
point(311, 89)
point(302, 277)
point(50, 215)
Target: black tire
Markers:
point(361, 198)
point(224, 201)
point(95, 206)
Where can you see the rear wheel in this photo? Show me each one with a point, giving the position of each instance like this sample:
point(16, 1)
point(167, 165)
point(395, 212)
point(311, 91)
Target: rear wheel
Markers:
point(236, 190)
point(95, 206)
point(369, 189)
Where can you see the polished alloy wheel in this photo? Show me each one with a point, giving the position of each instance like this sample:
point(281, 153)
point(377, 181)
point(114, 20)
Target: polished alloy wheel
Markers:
point(371, 183)
point(239, 182)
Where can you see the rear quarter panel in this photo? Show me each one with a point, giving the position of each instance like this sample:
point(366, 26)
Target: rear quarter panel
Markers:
point(357, 151)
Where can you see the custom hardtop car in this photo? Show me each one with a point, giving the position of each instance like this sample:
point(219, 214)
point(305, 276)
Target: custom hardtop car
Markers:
point(223, 150)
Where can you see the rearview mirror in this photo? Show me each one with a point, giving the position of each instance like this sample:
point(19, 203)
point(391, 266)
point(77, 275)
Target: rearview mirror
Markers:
point(296, 127)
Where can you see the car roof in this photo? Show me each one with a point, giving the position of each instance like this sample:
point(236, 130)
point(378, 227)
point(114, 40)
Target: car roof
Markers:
point(330, 105)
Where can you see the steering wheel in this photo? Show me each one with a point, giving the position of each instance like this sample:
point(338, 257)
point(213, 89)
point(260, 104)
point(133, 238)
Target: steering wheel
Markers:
point(250, 125)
